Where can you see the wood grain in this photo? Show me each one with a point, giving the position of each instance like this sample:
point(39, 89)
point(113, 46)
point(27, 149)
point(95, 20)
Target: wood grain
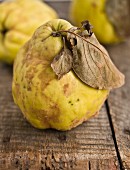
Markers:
point(89, 146)
point(119, 102)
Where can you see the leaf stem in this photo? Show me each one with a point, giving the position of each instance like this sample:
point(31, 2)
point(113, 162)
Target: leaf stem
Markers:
point(83, 39)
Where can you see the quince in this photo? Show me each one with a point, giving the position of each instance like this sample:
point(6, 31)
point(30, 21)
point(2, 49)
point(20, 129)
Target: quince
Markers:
point(45, 100)
point(18, 20)
point(110, 18)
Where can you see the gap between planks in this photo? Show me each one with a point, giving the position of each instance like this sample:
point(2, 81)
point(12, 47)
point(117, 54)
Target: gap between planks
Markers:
point(113, 135)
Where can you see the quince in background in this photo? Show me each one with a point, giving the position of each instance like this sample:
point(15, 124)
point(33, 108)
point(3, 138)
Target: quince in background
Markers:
point(45, 100)
point(110, 18)
point(18, 20)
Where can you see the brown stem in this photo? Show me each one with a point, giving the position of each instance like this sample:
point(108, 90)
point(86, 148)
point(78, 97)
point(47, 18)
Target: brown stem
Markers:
point(82, 38)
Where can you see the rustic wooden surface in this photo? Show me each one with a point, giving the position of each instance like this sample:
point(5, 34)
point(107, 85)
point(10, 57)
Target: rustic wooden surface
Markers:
point(119, 103)
point(102, 143)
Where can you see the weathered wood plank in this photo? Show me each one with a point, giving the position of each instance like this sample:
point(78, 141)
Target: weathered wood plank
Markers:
point(120, 102)
point(41, 162)
point(89, 146)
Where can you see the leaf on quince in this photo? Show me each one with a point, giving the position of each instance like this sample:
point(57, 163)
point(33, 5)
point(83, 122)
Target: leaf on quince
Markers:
point(62, 63)
point(88, 58)
point(91, 62)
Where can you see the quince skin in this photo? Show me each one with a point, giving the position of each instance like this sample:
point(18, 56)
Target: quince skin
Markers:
point(45, 100)
point(18, 20)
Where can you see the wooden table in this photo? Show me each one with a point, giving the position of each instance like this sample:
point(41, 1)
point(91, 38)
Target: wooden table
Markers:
point(102, 143)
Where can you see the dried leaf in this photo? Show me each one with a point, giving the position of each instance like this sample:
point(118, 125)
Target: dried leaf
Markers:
point(92, 63)
point(87, 26)
point(62, 63)
point(88, 59)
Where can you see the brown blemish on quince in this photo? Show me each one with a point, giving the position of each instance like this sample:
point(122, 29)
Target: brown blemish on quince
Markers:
point(94, 115)
point(65, 87)
point(46, 77)
point(17, 89)
point(29, 88)
point(26, 53)
point(39, 115)
point(94, 5)
point(30, 73)
point(46, 117)
point(23, 102)
point(55, 112)
point(77, 122)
